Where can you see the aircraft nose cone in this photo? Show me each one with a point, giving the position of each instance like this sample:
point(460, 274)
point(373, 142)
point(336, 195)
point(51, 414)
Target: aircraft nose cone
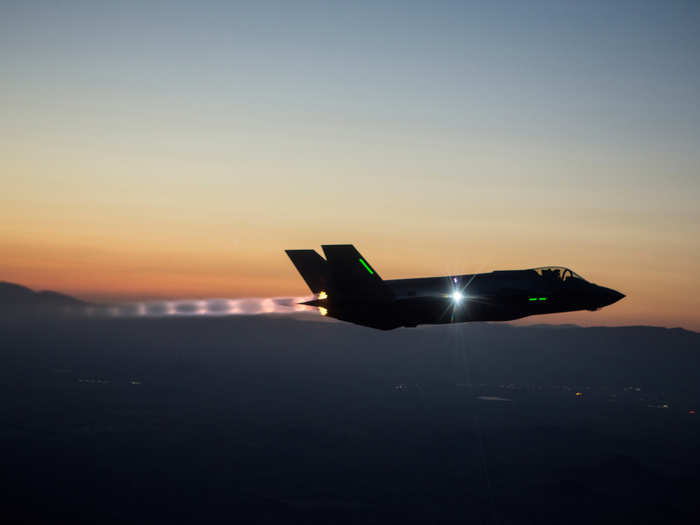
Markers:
point(610, 296)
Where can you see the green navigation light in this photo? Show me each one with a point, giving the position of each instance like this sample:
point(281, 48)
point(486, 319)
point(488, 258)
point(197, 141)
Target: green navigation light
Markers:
point(543, 298)
point(366, 266)
point(532, 299)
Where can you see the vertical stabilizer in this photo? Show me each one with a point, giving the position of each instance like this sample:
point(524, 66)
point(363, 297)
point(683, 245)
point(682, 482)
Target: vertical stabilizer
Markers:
point(351, 275)
point(312, 267)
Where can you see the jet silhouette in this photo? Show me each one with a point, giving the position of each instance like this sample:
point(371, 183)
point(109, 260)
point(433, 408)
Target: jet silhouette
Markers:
point(348, 288)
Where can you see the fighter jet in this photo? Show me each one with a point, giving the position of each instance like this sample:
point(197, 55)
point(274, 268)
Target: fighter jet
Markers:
point(348, 288)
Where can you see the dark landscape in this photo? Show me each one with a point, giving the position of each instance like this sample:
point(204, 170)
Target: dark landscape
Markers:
point(276, 419)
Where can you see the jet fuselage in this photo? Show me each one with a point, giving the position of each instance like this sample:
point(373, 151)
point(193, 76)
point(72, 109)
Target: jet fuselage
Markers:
point(352, 291)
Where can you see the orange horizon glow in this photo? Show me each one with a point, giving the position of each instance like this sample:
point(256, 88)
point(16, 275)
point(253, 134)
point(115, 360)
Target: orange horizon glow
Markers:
point(113, 277)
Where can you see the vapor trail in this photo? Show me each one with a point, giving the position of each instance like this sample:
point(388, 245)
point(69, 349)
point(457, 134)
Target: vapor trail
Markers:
point(204, 307)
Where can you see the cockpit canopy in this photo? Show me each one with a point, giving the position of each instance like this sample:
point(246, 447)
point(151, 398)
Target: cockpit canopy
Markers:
point(556, 273)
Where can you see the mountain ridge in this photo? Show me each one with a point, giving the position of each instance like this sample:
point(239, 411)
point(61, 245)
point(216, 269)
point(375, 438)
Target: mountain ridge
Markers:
point(16, 298)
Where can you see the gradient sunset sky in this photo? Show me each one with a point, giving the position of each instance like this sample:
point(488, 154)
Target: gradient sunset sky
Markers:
point(175, 149)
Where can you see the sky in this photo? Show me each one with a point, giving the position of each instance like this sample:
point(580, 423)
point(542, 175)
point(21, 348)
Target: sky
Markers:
point(175, 149)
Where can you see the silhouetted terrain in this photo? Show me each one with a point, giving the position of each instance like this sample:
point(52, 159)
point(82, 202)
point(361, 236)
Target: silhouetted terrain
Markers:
point(16, 299)
point(275, 420)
